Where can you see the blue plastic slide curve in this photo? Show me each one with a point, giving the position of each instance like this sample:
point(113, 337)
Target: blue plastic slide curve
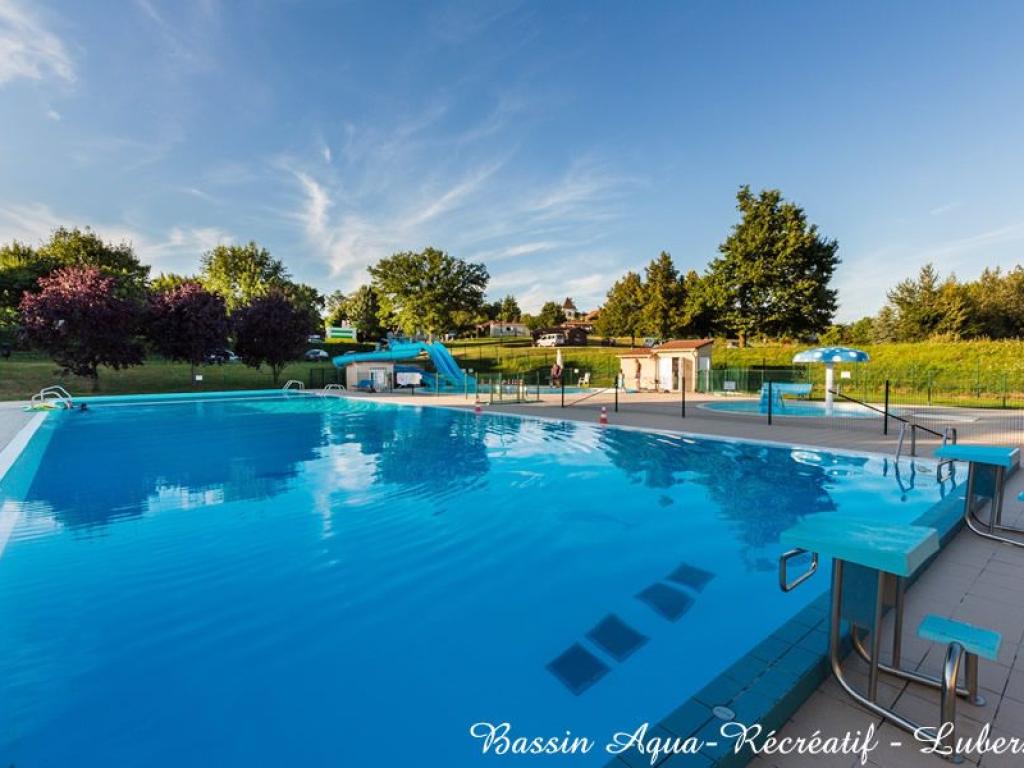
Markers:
point(444, 363)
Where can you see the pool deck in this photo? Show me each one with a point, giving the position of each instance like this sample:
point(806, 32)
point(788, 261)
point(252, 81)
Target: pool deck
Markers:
point(971, 579)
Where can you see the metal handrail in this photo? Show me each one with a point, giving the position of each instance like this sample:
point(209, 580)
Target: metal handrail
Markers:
point(788, 586)
point(890, 413)
point(949, 437)
point(297, 384)
point(53, 392)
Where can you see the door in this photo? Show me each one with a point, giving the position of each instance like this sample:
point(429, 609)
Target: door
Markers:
point(665, 373)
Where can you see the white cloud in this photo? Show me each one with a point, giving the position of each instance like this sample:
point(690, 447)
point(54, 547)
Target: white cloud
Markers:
point(174, 250)
point(28, 49)
point(53, 114)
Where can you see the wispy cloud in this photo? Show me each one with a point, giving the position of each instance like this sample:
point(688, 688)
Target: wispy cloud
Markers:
point(28, 49)
point(944, 208)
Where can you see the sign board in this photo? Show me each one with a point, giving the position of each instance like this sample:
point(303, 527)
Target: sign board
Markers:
point(341, 332)
point(729, 386)
point(845, 375)
point(199, 377)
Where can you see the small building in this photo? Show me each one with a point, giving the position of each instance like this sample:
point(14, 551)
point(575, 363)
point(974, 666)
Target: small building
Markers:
point(663, 368)
point(378, 374)
point(500, 329)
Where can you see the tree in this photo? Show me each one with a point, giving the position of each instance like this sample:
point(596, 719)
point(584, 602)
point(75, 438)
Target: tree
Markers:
point(363, 310)
point(165, 281)
point(508, 310)
point(423, 291)
point(20, 270)
point(84, 248)
point(550, 315)
point(662, 312)
point(929, 306)
point(271, 330)
point(187, 322)
point(775, 269)
point(703, 301)
point(621, 313)
point(241, 273)
point(334, 304)
point(81, 321)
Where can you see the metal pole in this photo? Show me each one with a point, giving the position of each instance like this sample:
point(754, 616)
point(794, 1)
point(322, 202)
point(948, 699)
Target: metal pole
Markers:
point(770, 399)
point(562, 382)
point(885, 410)
point(616, 393)
point(682, 397)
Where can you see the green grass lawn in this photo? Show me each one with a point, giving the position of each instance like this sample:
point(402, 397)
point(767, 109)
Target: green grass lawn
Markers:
point(977, 373)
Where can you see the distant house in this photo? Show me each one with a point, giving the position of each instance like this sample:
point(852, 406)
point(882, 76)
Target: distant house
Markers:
point(570, 311)
point(502, 329)
point(665, 367)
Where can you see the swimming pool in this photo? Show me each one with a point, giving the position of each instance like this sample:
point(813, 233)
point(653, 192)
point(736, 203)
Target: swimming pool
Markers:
point(794, 408)
point(296, 580)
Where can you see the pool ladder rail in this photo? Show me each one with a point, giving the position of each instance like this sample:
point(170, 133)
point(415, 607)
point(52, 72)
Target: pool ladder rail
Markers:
point(47, 397)
point(949, 437)
point(294, 384)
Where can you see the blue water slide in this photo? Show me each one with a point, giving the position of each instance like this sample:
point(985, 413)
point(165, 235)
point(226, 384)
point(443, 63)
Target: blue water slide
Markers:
point(444, 363)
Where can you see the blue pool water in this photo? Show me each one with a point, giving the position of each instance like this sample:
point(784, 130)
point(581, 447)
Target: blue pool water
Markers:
point(304, 581)
point(794, 408)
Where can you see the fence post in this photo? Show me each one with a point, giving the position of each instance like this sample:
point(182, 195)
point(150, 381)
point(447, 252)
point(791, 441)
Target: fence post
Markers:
point(616, 393)
point(562, 382)
point(885, 410)
point(770, 402)
point(682, 396)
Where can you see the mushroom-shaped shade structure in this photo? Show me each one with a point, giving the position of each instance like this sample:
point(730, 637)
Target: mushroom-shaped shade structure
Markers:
point(830, 356)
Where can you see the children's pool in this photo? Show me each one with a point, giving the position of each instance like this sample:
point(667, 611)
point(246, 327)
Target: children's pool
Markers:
point(794, 408)
point(306, 581)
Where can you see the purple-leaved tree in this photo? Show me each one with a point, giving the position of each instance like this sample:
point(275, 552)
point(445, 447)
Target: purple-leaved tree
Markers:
point(187, 322)
point(81, 322)
point(272, 330)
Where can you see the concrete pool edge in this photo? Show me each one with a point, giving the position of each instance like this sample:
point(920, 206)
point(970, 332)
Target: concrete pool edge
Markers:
point(9, 455)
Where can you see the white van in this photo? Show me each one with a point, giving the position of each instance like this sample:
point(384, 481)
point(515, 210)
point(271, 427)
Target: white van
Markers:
point(551, 340)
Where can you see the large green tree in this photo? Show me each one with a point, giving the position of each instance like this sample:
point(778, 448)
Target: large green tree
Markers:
point(84, 248)
point(424, 291)
point(21, 266)
point(662, 313)
point(622, 311)
point(550, 316)
point(241, 273)
point(775, 270)
point(362, 309)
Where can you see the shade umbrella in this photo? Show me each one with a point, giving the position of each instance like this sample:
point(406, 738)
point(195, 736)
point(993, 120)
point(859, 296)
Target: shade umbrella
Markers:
point(558, 358)
point(830, 356)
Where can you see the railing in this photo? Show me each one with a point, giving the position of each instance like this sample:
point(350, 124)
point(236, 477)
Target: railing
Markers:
point(294, 384)
point(55, 393)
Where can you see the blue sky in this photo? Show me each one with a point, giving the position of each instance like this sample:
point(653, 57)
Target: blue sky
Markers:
point(560, 143)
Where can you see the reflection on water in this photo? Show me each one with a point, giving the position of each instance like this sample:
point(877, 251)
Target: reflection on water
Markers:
point(223, 452)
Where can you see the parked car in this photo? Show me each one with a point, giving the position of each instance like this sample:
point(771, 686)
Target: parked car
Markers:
point(650, 341)
point(608, 341)
point(316, 356)
point(551, 340)
point(221, 356)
